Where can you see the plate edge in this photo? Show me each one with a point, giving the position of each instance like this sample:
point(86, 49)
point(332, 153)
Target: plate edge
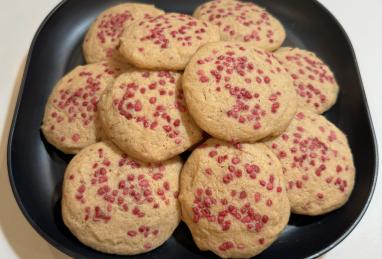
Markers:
point(70, 253)
point(375, 144)
point(16, 195)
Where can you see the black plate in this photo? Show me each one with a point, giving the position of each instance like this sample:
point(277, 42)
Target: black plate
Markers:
point(36, 168)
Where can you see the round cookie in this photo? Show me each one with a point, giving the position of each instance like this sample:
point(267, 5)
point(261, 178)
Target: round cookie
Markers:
point(318, 165)
point(243, 21)
point(233, 198)
point(144, 113)
point(165, 42)
point(102, 39)
point(236, 93)
point(119, 205)
point(70, 121)
point(315, 84)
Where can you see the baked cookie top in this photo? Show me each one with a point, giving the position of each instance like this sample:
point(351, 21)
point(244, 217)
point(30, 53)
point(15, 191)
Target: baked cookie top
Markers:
point(238, 93)
point(315, 84)
point(233, 198)
point(165, 42)
point(116, 204)
point(318, 164)
point(243, 21)
point(70, 121)
point(102, 40)
point(144, 113)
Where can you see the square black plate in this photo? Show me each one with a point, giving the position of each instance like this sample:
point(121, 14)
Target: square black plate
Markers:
point(36, 168)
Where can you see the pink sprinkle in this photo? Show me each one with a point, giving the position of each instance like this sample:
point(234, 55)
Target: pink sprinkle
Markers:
point(132, 233)
point(235, 160)
point(213, 153)
point(204, 79)
point(75, 137)
point(138, 106)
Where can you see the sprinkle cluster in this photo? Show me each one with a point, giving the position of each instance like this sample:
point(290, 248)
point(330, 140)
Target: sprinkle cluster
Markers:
point(134, 189)
point(311, 155)
point(110, 27)
point(235, 204)
point(151, 105)
point(172, 27)
point(309, 75)
point(239, 20)
point(78, 102)
point(233, 70)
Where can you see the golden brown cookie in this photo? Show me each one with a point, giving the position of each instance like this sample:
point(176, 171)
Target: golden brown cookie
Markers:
point(71, 120)
point(119, 205)
point(102, 40)
point(243, 21)
point(233, 198)
point(165, 42)
point(144, 113)
point(315, 84)
point(318, 164)
point(238, 93)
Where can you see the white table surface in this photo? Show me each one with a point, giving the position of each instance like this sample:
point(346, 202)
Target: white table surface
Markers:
point(19, 20)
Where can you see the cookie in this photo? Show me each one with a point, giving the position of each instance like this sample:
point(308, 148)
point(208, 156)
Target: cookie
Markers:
point(102, 39)
point(238, 93)
point(233, 198)
point(165, 42)
point(243, 21)
point(144, 113)
point(315, 84)
point(317, 162)
point(70, 121)
point(115, 204)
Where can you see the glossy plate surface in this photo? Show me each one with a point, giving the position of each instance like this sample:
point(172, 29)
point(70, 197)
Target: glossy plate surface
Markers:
point(36, 168)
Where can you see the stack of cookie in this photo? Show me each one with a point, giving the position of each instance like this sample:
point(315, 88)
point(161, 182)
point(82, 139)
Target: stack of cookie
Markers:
point(156, 85)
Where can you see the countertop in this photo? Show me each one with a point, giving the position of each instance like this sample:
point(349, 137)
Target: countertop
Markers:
point(19, 20)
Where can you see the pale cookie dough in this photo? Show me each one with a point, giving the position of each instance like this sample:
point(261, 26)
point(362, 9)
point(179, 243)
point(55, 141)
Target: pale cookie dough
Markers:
point(71, 120)
point(166, 42)
point(103, 38)
point(118, 205)
point(243, 21)
point(144, 113)
point(238, 93)
point(318, 164)
point(315, 84)
point(233, 198)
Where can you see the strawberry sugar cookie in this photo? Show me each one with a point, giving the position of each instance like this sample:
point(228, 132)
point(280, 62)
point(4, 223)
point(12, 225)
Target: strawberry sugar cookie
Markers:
point(119, 205)
point(233, 198)
point(71, 120)
point(243, 21)
point(318, 164)
point(238, 93)
point(144, 113)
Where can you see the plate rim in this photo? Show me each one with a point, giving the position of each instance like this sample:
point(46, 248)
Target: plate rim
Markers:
point(71, 253)
point(15, 192)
